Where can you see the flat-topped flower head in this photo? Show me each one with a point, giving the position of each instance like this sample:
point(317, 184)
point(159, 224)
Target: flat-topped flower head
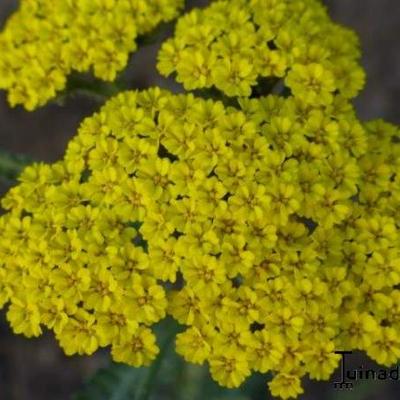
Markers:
point(272, 253)
point(44, 41)
point(243, 47)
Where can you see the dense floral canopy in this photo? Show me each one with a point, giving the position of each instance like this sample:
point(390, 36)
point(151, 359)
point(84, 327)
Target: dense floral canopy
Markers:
point(269, 231)
point(45, 40)
point(265, 224)
point(237, 45)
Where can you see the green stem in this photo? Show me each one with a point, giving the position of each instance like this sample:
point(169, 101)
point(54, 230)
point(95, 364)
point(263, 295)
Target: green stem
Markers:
point(86, 85)
point(149, 383)
point(215, 94)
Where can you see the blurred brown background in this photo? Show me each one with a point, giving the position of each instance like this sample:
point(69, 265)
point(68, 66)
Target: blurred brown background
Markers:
point(37, 369)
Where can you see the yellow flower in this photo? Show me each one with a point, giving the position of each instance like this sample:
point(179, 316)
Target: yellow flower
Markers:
point(312, 83)
point(229, 368)
point(204, 273)
point(235, 45)
point(359, 330)
point(146, 298)
point(255, 225)
point(234, 76)
point(285, 386)
point(267, 352)
point(195, 69)
point(79, 334)
point(321, 360)
point(137, 349)
point(24, 317)
point(103, 290)
point(44, 42)
point(237, 259)
point(194, 344)
point(385, 346)
point(285, 322)
point(165, 261)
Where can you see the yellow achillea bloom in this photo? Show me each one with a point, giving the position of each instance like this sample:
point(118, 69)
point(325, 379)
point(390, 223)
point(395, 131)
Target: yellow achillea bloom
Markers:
point(45, 40)
point(276, 248)
point(235, 45)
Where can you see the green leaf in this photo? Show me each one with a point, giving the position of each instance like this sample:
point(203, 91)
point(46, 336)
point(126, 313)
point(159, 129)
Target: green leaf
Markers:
point(122, 382)
point(113, 383)
point(11, 165)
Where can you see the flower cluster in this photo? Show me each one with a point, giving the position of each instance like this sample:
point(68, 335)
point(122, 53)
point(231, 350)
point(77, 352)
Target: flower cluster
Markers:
point(45, 40)
point(237, 46)
point(269, 231)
